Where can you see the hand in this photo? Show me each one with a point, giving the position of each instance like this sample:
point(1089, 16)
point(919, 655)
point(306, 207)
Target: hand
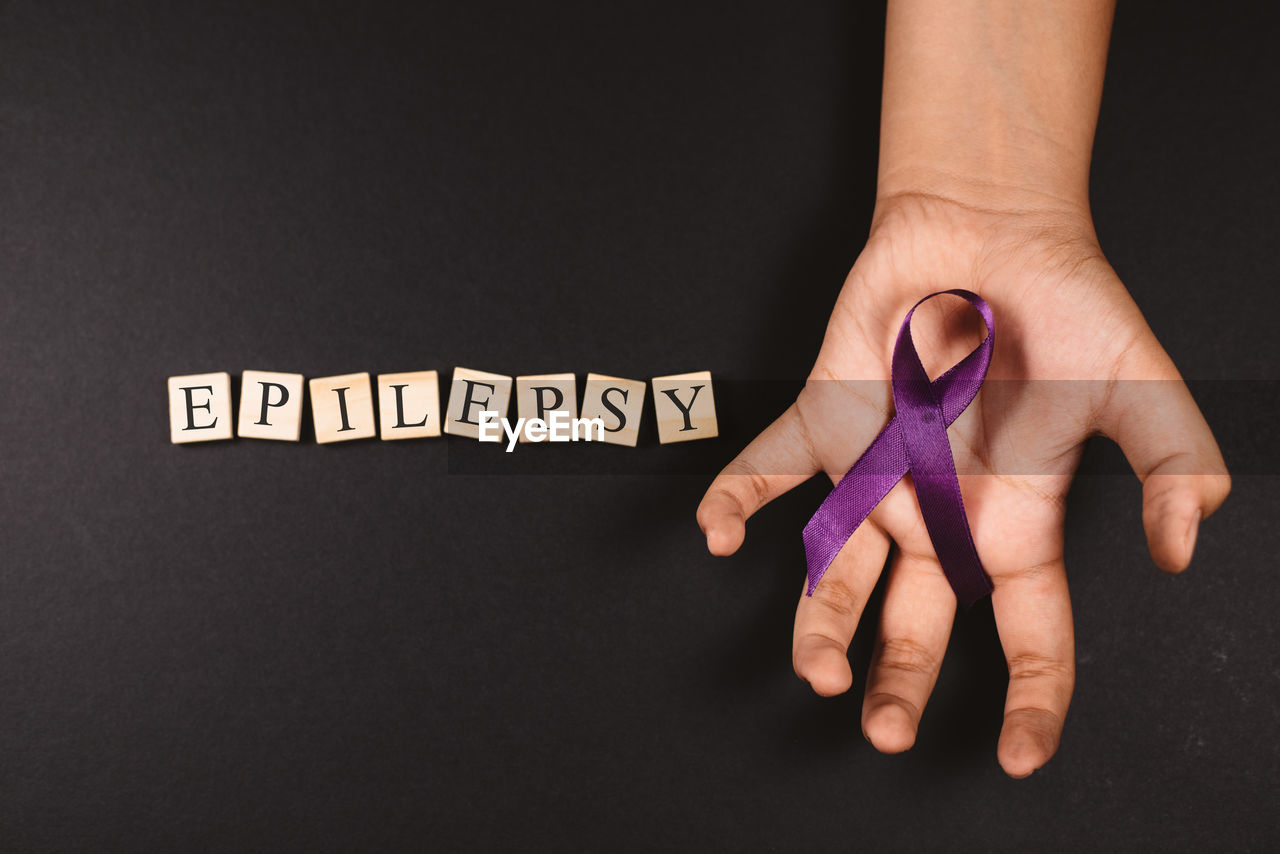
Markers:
point(1073, 358)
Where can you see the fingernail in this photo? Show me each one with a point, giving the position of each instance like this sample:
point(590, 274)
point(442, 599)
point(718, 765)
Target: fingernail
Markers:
point(1189, 541)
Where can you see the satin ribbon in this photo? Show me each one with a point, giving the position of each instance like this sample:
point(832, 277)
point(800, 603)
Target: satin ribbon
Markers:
point(914, 440)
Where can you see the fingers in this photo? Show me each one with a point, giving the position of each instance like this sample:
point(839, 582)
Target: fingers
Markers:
point(826, 621)
point(1154, 418)
point(778, 459)
point(915, 624)
point(1033, 616)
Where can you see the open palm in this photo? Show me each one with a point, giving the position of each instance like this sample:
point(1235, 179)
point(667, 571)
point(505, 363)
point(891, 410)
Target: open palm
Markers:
point(1073, 358)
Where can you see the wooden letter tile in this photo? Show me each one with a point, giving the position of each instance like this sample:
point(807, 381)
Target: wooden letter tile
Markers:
point(618, 403)
point(538, 395)
point(685, 407)
point(409, 405)
point(199, 408)
point(342, 407)
point(470, 393)
point(270, 405)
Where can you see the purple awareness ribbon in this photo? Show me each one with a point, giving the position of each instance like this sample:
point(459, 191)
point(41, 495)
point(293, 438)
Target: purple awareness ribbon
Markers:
point(914, 440)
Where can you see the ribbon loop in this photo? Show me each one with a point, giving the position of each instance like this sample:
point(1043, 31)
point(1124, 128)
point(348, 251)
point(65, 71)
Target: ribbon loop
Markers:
point(914, 440)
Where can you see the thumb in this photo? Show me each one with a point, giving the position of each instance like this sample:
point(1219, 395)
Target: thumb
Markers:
point(1151, 414)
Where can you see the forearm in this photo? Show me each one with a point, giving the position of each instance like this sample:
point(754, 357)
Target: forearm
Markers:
point(993, 102)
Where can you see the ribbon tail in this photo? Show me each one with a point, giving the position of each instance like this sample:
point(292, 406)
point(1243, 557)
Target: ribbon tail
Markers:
point(869, 480)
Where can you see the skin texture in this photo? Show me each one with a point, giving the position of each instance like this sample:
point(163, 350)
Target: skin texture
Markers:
point(987, 125)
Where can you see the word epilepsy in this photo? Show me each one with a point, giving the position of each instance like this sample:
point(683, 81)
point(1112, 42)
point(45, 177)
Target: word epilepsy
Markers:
point(409, 407)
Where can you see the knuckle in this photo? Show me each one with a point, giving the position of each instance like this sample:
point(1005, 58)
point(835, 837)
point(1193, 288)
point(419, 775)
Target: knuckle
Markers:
point(1041, 721)
point(718, 493)
point(1037, 573)
point(1163, 491)
point(1029, 665)
point(810, 641)
point(1219, 488)
point(836, 596)
point(743, 471)
point(877, 699)
point(907, 656)
point(1173, 494)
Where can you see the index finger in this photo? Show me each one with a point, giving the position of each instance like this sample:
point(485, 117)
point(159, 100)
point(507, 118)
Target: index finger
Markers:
point(780, 458)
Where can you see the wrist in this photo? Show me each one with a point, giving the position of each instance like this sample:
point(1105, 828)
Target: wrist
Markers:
point(986, 182)
point(992, 103)
point(990, 184)
point(983, 157)
point(983, 221)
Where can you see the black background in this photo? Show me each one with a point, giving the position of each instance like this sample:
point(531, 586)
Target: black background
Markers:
point(266, 646)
